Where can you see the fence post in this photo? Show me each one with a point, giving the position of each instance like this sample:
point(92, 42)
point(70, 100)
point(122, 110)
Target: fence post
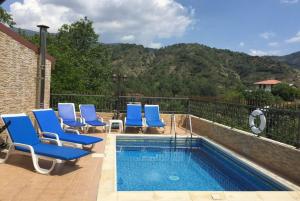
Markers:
point(298, 133)
point(188, 106)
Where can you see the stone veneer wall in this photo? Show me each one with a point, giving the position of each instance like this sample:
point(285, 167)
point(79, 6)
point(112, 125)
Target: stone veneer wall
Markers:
point(18, 74)
point(278, 157)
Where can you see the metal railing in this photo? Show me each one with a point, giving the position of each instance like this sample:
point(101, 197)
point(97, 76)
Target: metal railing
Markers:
point(101, 102)
point(111, 103)
point(283, 124)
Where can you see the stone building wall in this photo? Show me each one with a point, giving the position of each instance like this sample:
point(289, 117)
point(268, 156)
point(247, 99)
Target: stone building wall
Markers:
point(19, 72)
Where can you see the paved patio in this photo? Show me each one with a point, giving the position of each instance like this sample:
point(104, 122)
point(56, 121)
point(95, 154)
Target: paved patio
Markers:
point(19, 181)
point(93, 178)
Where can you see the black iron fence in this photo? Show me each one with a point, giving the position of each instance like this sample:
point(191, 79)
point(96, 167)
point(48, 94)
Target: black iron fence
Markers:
point(283, 124)
point(101, 102)
point(111, 103)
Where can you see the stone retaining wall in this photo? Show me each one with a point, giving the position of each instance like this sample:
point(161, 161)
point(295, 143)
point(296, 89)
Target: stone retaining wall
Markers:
point(278, 157)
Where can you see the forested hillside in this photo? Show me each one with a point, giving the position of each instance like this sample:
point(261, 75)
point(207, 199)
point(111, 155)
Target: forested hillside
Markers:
point(193, 69)
point(292, 59)
point(83, 65)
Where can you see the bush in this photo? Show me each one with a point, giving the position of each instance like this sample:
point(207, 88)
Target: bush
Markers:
point(286, 92)
point(260, 97)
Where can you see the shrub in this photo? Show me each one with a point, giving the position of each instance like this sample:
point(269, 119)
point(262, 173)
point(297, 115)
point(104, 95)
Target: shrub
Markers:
point(286, 92)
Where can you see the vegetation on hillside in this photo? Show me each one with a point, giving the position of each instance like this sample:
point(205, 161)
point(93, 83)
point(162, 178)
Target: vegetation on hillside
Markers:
point(194, 70)
point(85, 65)
point(292, 59)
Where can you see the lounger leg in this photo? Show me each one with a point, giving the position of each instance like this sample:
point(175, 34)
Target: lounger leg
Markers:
point(35, 160)
point(10, 149)
point(89, 147)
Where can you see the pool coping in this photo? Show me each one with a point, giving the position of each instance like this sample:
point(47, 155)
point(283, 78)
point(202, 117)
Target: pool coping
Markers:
point(108, 182)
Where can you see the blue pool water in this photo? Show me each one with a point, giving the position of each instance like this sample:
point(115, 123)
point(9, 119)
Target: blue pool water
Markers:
point(161, 164)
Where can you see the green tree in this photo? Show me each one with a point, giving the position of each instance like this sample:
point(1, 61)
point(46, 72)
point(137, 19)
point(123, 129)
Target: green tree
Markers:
point(6, 18)
point(286, 92)
point(260, 97)
point(82, 64)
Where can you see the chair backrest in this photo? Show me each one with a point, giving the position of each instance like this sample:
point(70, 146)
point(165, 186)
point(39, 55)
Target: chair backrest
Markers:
point(21, 129)
point(134, 111)
point(152, 112)
point(88, 112)
point(67, 111)
point(47, 121)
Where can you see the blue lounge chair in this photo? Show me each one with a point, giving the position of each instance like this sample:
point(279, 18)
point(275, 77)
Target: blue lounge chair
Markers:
point(152, 116)
point(89, 116)
point(134, 116)
point(67, 114)
point(25, 139)
point(50, 128)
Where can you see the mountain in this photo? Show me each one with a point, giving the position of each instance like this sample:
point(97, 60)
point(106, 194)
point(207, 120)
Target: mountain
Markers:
point(194, 69)
point(84, 64)
point(25, 32)
point(292, 59)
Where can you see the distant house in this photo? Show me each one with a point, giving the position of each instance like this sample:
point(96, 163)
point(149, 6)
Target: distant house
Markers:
point(266, 84)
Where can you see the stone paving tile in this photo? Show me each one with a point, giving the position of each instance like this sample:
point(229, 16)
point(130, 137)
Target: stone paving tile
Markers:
point(135, 196)
point(275, 196)
point(171, 196)
point(242, 196)
point(295, 195)
point(205, 196)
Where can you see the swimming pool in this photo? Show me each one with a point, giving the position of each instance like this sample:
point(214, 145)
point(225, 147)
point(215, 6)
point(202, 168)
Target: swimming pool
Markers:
point(184, 164)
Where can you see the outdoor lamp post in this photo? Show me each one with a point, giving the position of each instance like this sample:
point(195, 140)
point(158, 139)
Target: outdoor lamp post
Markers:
point(118, 79)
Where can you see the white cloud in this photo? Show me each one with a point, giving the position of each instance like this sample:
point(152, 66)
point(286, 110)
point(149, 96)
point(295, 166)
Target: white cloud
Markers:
point(267, 35)
point(139, 21)
point(128, 38)
point(242, 44)
point(255, 52)
point(295, 39)
point(155, 45)
point(289, 1)
point(273, 44)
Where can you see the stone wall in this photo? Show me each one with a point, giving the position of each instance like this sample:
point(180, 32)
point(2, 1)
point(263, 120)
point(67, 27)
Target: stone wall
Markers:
point(278, 157)
point(18, 75)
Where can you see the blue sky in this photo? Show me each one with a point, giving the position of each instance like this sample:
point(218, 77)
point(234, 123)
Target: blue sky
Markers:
point(257, 27)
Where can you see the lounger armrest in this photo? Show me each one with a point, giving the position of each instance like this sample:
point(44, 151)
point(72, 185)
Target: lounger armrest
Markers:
point(24, 145)
point(52, 134)
point(72, 131)
point(56, 138)
point(79, 119)
point(82, 120)
point(144, 122)
point(51, 140)
point(101, 119)
point(61, 122)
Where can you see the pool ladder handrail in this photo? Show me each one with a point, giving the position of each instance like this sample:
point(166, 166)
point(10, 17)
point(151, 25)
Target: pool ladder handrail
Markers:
point(173, 125)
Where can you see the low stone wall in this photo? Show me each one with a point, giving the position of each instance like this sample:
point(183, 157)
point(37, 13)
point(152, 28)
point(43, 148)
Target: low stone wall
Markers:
point(280, 158)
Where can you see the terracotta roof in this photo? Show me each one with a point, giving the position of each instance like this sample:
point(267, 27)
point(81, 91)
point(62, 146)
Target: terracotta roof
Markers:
point(270, 82)
point(23, 41)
